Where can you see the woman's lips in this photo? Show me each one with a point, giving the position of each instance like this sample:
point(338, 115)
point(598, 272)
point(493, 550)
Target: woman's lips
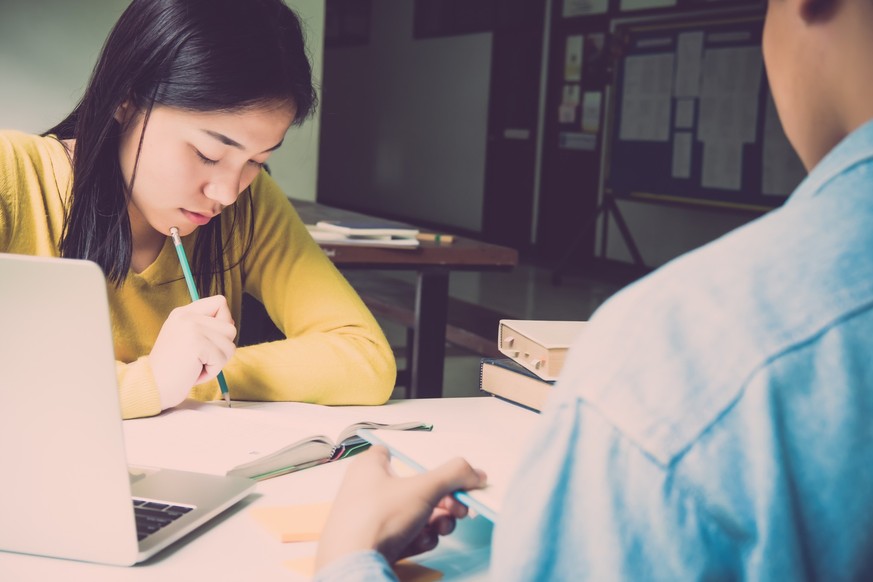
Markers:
point(196, 217)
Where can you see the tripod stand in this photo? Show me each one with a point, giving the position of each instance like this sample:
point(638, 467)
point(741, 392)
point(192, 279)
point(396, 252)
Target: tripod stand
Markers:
point(606, 207)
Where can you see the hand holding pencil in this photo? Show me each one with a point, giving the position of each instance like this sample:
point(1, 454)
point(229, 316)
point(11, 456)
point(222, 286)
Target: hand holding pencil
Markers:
point(194, 344)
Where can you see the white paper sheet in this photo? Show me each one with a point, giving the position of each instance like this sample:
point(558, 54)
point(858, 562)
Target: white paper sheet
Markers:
point(573, 58)
point(646, 97)
point(729, 94)
point(591, 103)
point(722, 165)
point(498, 454)
point(689, 57)
point(684, 118)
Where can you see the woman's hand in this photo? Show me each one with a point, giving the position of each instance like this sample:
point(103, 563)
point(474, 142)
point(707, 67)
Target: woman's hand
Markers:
point(398, 516)
point(194, 344)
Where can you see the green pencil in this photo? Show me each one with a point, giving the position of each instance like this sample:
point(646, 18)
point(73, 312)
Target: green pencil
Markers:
point(192, 290)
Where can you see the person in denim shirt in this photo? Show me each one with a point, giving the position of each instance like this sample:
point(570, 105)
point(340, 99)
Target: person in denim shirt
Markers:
point(716, 419)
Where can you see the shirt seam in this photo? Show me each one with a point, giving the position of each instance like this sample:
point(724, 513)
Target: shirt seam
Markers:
point(691, 489)
point(765, 363)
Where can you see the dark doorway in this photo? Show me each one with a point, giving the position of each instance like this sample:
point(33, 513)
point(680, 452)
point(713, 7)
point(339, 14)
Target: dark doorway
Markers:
point(512, 123)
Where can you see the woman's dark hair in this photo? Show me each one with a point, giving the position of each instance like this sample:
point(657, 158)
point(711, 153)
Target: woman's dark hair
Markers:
point(195, 55)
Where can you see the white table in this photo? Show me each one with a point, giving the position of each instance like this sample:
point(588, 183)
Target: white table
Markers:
point(236, 547)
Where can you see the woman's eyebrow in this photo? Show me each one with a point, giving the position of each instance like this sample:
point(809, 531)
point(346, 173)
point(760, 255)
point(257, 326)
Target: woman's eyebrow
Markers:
point(233, 143)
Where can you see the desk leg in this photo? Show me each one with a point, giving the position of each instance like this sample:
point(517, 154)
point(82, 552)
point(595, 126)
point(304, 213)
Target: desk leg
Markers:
point(429, 346)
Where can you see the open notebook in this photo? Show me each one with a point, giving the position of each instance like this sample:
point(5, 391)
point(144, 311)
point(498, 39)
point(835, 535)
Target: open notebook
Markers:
point(249, 441)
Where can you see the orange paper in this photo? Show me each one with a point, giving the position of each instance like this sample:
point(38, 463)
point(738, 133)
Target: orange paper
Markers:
point(304, 523)
point(294, 523)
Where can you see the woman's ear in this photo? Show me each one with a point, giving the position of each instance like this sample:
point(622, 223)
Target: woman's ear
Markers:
point(814, 11)
point(124, 112)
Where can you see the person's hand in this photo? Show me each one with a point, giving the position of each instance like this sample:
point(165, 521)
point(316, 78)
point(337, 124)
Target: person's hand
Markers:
point(398, 516)
point(194, 344)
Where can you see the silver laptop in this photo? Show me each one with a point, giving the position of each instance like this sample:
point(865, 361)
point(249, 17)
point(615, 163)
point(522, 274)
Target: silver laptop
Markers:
point(67, 490)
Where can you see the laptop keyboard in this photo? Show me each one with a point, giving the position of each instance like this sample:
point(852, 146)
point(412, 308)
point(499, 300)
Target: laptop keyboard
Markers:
point(153, 515)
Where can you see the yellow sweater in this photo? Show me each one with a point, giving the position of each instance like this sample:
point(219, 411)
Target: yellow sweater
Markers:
point(335, 352)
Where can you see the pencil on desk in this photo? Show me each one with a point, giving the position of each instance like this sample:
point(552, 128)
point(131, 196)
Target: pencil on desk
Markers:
point(192, 290)
point(435, 237)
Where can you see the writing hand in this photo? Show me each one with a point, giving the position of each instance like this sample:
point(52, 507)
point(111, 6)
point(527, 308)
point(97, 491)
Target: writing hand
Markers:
point(398, 516)
point(194, 344)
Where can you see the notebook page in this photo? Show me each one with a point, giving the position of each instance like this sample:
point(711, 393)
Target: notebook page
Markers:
point(496, 454)
point(210, 438)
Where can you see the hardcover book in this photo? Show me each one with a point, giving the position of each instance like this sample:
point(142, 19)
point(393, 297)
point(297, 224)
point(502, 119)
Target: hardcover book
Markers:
point(538, 345)
point(509, 380)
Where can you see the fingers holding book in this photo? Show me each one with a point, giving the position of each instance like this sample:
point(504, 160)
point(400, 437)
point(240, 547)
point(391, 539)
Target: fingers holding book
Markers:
point(402, 516)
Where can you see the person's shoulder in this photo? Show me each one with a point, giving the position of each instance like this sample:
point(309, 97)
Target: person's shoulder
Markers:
point(267, 196)
point(19, 140)
point(266, 207)
point(11, 141)
point(16, 147)
point(667, 356)
point(19, 148)
point(270, 202)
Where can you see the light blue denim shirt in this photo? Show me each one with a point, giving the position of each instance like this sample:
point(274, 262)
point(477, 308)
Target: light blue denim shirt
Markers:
point(715, 420)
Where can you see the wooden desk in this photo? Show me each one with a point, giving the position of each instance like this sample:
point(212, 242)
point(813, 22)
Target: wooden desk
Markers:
point(234, 546)
point(433, 263)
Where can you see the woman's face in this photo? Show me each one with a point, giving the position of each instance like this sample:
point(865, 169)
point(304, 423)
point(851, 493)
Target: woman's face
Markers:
point(193, 165)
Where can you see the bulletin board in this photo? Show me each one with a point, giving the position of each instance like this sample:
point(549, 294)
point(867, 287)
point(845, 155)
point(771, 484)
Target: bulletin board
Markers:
point(690, 119)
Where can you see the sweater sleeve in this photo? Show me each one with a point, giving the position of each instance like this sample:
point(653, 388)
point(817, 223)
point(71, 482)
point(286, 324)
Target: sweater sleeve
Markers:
point(9, 191)
point(137, 390)
point(335, 351)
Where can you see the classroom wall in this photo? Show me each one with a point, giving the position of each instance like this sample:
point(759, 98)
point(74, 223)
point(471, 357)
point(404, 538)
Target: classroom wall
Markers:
point(404, 133)
point(47, 51)
point(404, 124)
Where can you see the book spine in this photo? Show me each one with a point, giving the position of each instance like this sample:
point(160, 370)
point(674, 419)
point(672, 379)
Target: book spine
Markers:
point(513, 383)
point(482, 364)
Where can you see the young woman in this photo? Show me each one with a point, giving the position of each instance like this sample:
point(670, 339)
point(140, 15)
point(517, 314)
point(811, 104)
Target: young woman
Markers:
point(185, 105)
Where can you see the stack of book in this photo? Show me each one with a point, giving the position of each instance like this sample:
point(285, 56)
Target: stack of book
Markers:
point(535, 351)
point(373, 233)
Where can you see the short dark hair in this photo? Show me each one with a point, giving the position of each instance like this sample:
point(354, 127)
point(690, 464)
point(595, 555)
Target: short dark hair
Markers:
point(195, 55)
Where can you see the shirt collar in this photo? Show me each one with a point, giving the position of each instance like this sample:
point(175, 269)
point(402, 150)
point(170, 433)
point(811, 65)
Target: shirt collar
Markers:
point(854, 148)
